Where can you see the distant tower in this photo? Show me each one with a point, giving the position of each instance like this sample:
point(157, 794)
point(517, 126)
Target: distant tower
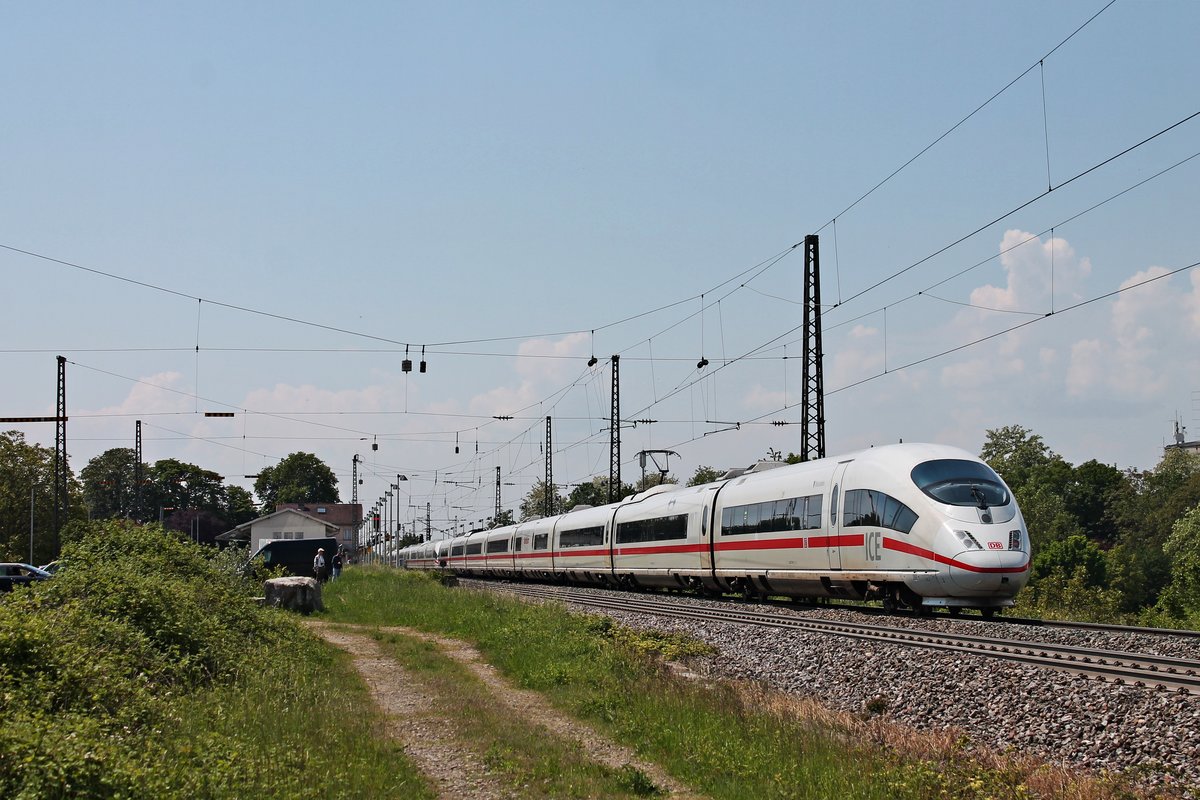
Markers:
point(812, 409)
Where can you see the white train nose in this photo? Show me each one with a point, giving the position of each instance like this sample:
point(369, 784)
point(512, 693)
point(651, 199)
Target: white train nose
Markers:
point(998, 571)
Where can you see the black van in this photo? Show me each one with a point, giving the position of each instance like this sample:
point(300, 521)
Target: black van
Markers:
point(295, 555)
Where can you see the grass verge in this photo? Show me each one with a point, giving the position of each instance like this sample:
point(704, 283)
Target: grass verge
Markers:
point(722, 739)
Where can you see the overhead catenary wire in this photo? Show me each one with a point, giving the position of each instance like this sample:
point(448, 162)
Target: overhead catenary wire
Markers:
point(661, 358)
point(959, 124)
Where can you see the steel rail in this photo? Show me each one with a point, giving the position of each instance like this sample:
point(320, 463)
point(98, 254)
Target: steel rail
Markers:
point(1103, 627)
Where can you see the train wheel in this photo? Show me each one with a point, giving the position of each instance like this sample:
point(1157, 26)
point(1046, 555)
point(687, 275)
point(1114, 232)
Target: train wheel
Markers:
point(889, 604)
point(954, 611)
point(988, 613)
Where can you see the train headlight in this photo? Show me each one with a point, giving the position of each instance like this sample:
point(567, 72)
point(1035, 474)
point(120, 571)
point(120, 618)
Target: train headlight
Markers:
point(1014, 540)
point(968, 541)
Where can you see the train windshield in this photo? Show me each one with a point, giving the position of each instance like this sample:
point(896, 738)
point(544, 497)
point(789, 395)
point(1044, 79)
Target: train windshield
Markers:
point(958, 482)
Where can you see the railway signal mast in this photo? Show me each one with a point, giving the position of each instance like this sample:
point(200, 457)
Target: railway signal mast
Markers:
point(812, 410)
point(614, 457)
point(549, 476)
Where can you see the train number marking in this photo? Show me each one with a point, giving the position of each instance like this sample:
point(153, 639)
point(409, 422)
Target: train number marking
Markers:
point(873, 544)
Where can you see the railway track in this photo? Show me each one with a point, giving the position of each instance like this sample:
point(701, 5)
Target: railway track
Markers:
point(998, 619)
point(1120, 668)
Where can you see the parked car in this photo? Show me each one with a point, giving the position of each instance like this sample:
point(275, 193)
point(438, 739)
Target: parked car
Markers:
point(19, 574)
point(52, 567)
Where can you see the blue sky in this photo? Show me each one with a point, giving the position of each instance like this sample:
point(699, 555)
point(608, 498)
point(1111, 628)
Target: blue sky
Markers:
point(510, 177)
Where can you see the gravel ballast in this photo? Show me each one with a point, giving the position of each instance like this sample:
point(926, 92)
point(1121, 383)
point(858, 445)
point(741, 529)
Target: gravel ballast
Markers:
point(1153, 736)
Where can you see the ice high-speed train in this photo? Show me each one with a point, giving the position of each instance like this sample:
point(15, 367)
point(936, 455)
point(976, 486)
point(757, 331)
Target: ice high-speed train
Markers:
point(914, 525)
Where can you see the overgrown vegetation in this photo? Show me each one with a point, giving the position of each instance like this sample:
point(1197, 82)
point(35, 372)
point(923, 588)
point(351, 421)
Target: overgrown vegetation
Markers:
point(144, 670)
point(726, 741)
point(1108, 545)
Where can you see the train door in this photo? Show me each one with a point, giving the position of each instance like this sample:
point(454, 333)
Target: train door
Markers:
point(835, 516)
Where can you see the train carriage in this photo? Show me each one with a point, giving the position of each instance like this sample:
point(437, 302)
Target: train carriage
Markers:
point(908, 524)
point(771, 532)
point(456, 557)
point(498, 551)
point(660, 537)
point(581, 545)
point(534, 558)
point(473, 556)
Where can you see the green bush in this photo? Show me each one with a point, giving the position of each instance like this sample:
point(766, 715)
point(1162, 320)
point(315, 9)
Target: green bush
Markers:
point(144, 669)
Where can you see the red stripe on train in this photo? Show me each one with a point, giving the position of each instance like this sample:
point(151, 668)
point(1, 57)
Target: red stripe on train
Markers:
point(921, 552)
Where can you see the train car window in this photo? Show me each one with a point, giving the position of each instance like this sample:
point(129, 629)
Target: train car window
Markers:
point(796, 520)
point(653, 530)
point(904, 520)
point(753, 517)
point(541, 541)
point(497, 546)
point(781, 514)
point(517, 544)
point(814, 513)
point(582, 537)
point(475, 549)
point(833, 505)
point(456, 550)
point(958, 482)
point(772, 516)
point(872, 509)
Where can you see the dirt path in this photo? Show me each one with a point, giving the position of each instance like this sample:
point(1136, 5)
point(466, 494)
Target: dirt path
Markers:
point(427, 737)
point(414, 721)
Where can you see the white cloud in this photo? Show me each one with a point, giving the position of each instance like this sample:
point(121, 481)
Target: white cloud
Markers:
point(1147, 325)
point(860, 358)
point(1041, 274)
point(758, 399)
point(1193, 302)
point(1086, 368)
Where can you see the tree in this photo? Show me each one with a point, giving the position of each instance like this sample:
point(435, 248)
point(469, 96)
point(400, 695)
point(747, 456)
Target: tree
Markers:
point(1144, 509)
point(505, 518)
point(178, 485)
point(110, 486)
point(656, 479)
point(1046, 516)
point(409, 539)
point(1014, 452)
point(595, 493)
point(239, 506)
point(534, 504)
point(298, 478)
point(703, 475)
point(26, 470)
point(1070, 556)
point(1182, 597)
point(1089, 494)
